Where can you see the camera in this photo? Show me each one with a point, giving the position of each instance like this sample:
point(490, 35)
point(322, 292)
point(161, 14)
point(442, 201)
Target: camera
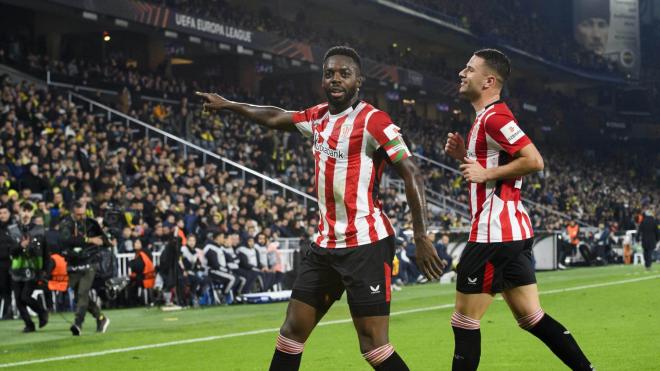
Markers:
point(113, 219)
point(115, 285)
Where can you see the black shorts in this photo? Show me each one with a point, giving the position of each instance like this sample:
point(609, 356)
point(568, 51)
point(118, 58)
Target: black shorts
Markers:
point(365, 272)
point(494, 267)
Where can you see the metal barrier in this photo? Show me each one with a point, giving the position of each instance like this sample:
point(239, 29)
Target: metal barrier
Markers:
point(432, 197)
point(526, 200)
point(149, 130)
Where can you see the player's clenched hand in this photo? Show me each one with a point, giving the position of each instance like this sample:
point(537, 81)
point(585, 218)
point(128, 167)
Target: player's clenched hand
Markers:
point(427, 259)
point(473, 171)
point(213, 101)
point(455, 146)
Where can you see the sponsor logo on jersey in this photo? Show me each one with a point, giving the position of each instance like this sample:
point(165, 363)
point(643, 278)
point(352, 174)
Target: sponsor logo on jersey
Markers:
point(320, 146)
point(512, 132)
point(391, 132)
point(375, 289)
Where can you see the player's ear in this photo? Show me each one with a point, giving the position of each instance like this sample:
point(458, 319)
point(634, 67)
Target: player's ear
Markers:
point(491, 80)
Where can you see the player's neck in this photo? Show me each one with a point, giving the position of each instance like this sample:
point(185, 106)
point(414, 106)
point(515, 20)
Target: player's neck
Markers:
point(339, 109)
point(485, 100)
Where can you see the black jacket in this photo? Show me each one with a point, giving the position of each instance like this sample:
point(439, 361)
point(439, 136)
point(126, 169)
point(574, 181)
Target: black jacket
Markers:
point(7, 244)
point(18, 231)
point(78, 253)
point(648, 232)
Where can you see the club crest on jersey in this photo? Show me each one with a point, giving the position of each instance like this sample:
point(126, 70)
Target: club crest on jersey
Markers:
point(345, 131)
point(320, 146)
point(512, 132)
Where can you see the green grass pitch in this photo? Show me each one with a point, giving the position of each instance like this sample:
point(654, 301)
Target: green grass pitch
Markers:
point(612, 312)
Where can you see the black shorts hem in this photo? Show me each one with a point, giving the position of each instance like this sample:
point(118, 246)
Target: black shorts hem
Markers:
point(321, 302)
point(477, 290)
point(508, 286)
point(369, 310)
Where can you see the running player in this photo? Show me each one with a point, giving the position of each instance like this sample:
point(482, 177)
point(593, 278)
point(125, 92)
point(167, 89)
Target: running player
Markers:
point(354, 246)
point(498, 256)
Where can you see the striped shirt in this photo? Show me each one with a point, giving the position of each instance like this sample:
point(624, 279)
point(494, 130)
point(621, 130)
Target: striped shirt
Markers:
point(498, 214)
point(350, 151)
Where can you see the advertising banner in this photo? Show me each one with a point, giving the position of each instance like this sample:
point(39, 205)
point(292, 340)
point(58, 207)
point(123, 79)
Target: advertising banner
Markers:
point(609, 28)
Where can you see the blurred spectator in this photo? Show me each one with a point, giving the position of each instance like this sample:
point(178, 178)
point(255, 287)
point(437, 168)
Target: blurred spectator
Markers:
point(6, 244)
point(193, 270)
point(143, 273)
point(218, 271)
point(649, 235)
point(441, 246)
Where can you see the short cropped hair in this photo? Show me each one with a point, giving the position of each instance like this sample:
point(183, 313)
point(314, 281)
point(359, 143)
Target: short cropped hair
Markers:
point(497, 61)
point(346, 51)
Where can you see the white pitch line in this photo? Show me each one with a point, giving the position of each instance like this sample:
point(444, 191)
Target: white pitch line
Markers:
point(262, 331)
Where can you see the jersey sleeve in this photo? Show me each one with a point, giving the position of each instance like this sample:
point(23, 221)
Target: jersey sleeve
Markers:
point(506, 132)
point(385, 134)
point(303, 121)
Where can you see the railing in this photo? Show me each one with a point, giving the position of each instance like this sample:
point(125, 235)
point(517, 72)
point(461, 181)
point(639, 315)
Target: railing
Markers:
point(526, 200)
point(447, 202)
point(91, 89)
point(425, 13)
point(149, 129)
point(435, 198)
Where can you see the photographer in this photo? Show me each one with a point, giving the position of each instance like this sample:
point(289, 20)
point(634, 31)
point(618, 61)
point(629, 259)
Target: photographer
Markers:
point(28, 256)
point(7, 243)
point(82, 238)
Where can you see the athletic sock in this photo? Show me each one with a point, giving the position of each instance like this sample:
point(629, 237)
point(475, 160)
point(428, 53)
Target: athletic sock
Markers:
point(288, 354)
point(384, 358)
point(467, 342)
point(557, 338)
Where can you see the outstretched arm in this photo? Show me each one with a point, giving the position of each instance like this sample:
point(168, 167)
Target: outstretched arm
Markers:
point(426, 256)
point(268, 116)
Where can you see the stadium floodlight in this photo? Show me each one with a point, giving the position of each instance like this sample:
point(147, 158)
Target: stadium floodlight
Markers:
point(106, 36)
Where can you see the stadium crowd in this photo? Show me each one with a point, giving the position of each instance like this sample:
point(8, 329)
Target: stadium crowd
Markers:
point(551, 122)
point(54, 153)
point(285, 158)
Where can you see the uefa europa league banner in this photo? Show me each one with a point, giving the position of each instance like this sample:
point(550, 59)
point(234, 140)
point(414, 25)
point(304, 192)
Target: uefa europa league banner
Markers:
point(609, 28)
point(168, 19)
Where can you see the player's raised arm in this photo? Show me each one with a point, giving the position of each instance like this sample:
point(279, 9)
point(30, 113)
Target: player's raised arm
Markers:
point(268, 116)
point(426, 256)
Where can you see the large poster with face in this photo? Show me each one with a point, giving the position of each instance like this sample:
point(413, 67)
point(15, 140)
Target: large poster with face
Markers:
point(610, 29)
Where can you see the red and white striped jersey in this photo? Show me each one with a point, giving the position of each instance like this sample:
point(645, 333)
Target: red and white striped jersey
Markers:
point(498, 214)
point(350, 150)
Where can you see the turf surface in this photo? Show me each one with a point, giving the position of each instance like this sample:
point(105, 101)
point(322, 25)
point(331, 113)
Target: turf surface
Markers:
point(612, 312)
